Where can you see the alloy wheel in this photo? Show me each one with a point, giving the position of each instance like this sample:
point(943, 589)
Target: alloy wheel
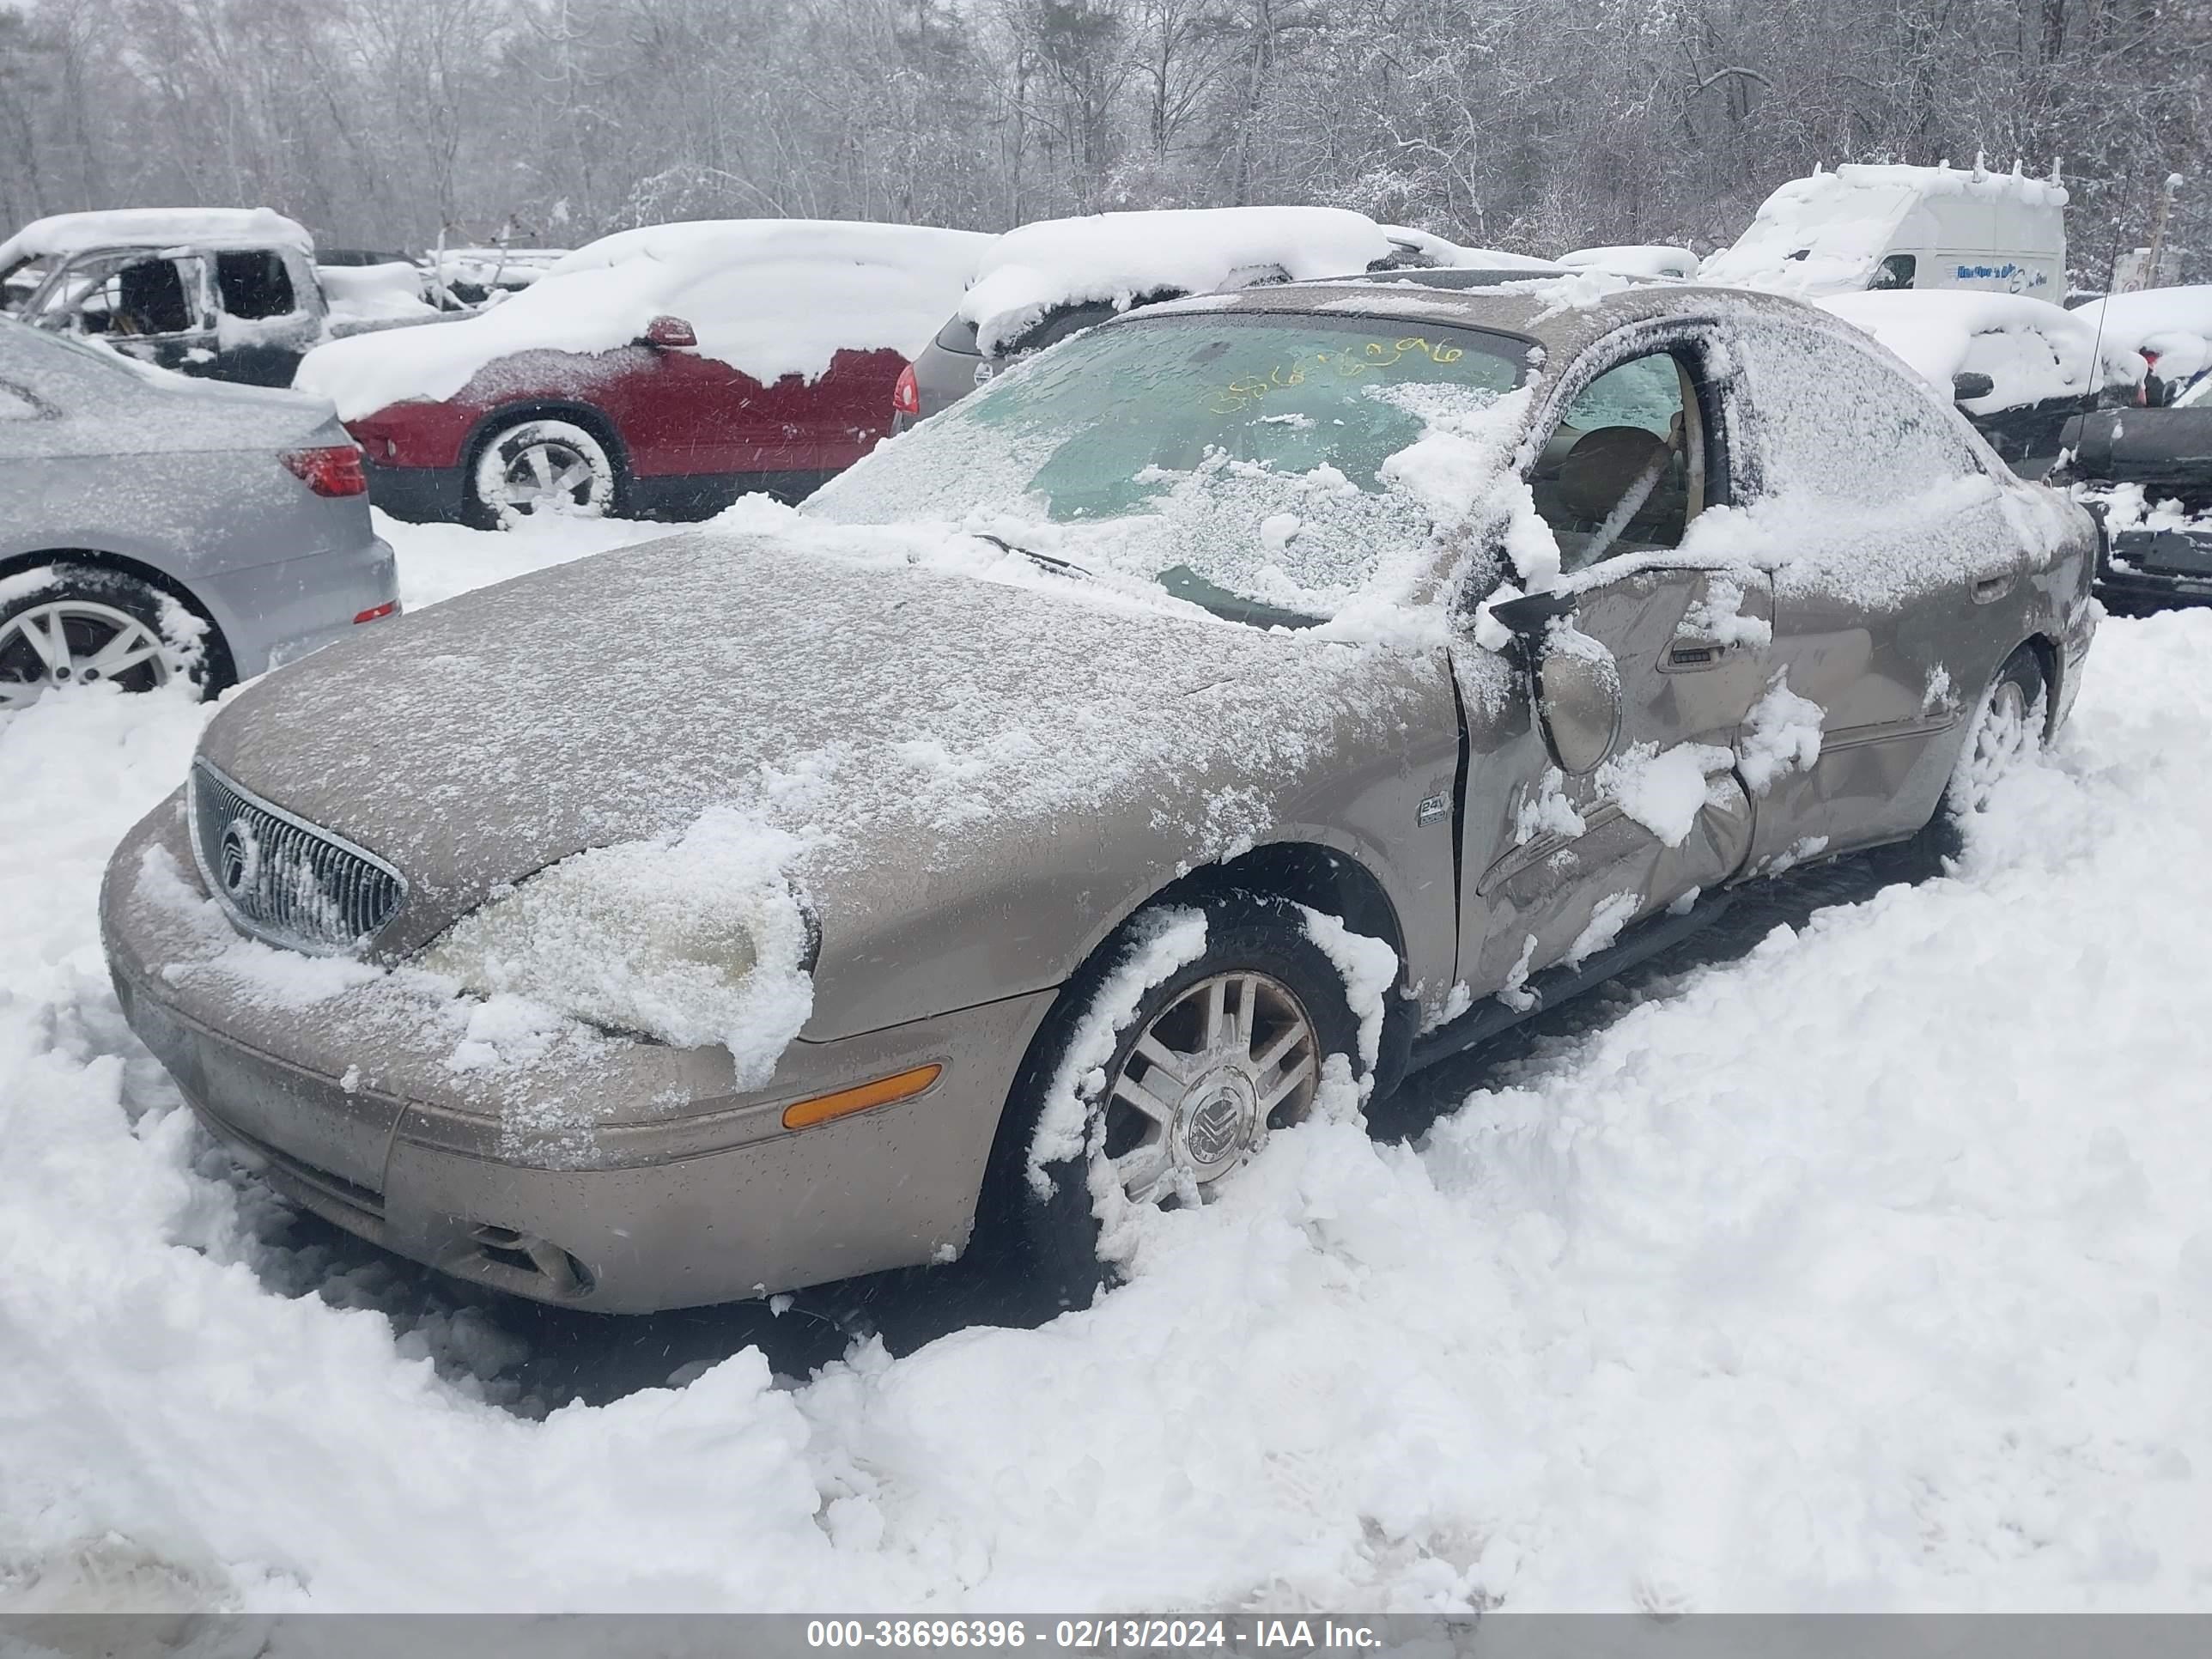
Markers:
point(550, 477)
point(1231, 1057)
point(72, 642)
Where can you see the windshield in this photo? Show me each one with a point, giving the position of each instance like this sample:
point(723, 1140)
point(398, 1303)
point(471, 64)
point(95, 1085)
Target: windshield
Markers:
point(1241, 461)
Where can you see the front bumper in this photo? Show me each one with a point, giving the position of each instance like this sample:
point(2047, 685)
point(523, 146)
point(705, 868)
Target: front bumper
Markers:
point(2156, 570)
point(601, 1172)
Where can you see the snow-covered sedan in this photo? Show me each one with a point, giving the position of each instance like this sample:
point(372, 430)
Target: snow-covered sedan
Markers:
point(1043, 282)
point(152, 527)
point(1218, 713)
point(658, 373)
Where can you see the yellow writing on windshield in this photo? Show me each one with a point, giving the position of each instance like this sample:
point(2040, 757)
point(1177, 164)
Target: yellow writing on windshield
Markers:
point(1351, 364)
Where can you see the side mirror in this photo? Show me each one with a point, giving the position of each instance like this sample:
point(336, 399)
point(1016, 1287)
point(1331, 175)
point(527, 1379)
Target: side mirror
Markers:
point(1579, 700)
point(669, 334)
point(1574, 682)
point(1971, 384)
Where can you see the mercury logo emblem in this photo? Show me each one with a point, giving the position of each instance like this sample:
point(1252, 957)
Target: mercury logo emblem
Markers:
point(1212, 1131)
point(241, 859)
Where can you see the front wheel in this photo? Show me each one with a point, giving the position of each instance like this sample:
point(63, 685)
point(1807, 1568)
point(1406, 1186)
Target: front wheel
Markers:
point(1162, 1071)
point(541, 468)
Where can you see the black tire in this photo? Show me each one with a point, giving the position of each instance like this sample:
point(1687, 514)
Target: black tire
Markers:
point(602, 494)
point(1943, 838)
point(1053, 1238)
point(89, 602)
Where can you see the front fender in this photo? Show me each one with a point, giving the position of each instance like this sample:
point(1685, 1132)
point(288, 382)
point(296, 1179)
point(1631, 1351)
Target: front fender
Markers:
point(1026, 901)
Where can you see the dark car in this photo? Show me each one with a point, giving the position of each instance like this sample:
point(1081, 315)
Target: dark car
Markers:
point(2165, 558)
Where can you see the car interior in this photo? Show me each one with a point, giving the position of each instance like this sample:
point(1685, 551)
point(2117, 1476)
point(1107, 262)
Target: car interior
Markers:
point(1624, 471)
point(252, 283)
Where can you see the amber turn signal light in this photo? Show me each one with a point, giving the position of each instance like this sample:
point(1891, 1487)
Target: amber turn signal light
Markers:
point(902, 1085)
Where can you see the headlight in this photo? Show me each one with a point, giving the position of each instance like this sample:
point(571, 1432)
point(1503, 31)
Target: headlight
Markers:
point(693, 941)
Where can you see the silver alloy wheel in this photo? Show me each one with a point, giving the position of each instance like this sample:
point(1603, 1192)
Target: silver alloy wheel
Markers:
point(69, 641)
point(1233, 1056)
point(544, 469)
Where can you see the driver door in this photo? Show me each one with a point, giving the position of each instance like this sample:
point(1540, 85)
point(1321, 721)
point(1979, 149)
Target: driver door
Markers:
point(1559, 857)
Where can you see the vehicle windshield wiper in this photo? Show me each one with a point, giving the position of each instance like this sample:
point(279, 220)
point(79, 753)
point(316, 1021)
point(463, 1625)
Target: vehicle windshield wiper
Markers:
point(1185, 583)
point(1044, 560)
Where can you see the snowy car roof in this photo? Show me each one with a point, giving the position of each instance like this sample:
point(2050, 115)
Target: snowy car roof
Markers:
point(770, 297)
point(2032, 350)
point(2174, 324)
point(1634, 259)
point(1118, 259)
point(61, 234)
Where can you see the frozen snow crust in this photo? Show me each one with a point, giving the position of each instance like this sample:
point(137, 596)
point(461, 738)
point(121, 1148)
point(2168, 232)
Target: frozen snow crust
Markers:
point(770, 297)
point(1873, 1271)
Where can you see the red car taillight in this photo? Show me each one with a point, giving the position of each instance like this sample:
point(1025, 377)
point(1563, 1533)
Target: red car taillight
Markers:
point(335, 470)
point(906, 396)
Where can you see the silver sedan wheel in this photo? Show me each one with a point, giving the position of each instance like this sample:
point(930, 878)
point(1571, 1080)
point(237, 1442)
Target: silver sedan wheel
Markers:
point(544, 469)
point(77, 642)
point(1235, 1055)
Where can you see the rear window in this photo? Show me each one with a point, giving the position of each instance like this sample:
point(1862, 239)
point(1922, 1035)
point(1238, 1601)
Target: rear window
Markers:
point(958, 335)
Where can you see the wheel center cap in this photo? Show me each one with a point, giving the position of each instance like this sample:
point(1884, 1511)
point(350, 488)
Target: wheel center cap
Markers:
point(1214, 1124)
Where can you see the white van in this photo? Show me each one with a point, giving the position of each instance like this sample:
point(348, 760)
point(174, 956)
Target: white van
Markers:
point(1903, 227)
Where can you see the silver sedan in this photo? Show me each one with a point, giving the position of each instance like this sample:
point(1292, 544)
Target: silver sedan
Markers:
point(152, 526)
point(1209, 719)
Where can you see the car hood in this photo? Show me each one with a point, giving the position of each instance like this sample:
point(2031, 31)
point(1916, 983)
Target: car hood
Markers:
point(899, 720)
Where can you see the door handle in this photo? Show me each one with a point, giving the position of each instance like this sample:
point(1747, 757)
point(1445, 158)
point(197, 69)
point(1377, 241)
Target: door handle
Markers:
point(1987, 590)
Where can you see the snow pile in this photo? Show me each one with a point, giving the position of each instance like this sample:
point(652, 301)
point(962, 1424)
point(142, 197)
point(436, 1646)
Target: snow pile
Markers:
point(2032, 350)
point(694, 938)
point(1871, 1271)
point(1369, 968)
point(1825, 234)
point(391, 293)
point(1665, 789)
point(63, 235)
point(770, 297)
point(2127, 508)
point(1781, 735)
point(1635, 259)
point(1119, 258)
point(2174, 323)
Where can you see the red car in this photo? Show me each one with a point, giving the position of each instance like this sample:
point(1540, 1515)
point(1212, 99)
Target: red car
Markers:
point(658, 372)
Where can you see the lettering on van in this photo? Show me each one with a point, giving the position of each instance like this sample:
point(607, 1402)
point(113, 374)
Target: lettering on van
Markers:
point(2019, 277)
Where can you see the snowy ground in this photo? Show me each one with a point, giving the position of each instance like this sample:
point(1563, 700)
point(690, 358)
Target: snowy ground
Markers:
point(1873, 1269)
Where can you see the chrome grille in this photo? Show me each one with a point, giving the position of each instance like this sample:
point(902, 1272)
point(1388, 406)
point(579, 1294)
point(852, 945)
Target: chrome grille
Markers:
point(282, 879)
